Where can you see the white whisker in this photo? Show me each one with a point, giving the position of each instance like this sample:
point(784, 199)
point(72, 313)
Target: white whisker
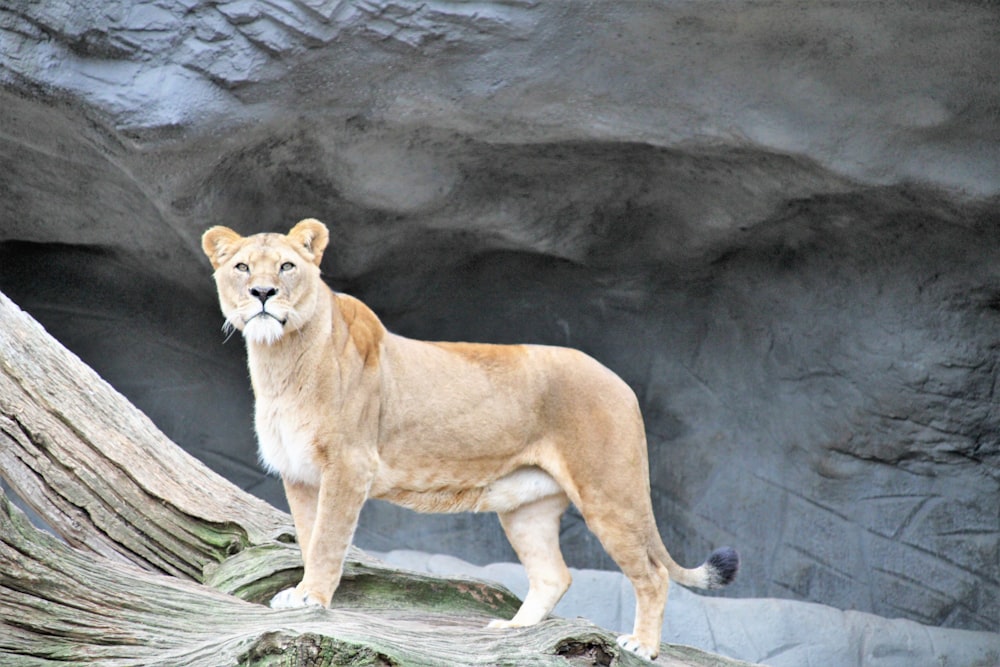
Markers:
point(229, 329)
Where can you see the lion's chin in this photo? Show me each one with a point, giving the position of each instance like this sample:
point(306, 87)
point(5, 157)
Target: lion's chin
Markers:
point(264, 329)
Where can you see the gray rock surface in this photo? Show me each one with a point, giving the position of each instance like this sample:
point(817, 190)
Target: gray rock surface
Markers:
point(777, 633)
point(780, 222)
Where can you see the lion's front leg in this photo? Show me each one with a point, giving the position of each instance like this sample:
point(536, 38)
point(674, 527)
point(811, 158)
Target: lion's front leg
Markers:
point(343, 489)
point(302, 501)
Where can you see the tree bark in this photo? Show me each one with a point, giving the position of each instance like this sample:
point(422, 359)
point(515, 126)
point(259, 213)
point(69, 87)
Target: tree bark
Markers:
point(163, 562)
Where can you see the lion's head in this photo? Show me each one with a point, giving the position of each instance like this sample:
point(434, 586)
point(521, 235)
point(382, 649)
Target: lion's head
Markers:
point(268, 283)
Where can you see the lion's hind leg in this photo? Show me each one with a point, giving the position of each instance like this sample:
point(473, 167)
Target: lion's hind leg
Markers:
point(651, 582)
point(533, 531)
point(626, 530)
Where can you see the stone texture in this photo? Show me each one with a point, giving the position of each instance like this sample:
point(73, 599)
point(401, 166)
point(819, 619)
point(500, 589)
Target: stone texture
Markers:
point(779, 222)
point(773, 632)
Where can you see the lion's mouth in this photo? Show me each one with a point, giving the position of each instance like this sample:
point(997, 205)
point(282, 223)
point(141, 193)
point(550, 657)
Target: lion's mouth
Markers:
point(264, 313)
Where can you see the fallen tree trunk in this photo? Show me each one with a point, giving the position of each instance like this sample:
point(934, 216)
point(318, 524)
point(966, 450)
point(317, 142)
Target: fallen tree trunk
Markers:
point(61, 605)
point(165, 563)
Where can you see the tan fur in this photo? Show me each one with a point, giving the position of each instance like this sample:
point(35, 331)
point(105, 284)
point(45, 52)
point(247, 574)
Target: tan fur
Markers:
point(346, 410)
point(363, 326)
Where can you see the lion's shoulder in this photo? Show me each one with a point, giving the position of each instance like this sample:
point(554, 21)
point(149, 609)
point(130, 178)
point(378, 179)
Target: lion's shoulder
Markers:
point(363, 327)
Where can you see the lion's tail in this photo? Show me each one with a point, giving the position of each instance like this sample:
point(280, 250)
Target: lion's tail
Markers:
point(717, 571)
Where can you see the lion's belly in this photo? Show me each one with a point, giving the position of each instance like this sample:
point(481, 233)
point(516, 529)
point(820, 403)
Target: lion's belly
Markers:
point(440, 493)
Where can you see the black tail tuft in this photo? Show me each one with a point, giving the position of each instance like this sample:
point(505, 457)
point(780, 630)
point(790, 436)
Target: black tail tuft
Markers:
point(723, 565)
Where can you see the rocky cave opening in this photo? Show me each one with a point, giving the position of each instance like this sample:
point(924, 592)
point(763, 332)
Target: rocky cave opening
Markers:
point(812, 331)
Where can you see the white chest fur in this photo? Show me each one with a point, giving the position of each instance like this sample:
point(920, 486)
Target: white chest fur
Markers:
point(285, 447)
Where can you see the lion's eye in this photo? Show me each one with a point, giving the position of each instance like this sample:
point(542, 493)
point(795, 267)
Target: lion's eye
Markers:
point(287, 266)
point(242, 267)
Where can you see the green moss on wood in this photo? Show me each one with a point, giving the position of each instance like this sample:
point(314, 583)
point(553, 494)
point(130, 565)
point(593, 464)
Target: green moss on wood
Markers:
point(227, 539)
point(257, 573)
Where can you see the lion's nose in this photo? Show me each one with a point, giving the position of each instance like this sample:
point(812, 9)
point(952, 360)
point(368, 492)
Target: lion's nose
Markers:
point(263, 293)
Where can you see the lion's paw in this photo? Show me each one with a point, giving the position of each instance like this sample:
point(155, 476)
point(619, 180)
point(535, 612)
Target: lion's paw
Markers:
point(631, 643)
point(290, 598)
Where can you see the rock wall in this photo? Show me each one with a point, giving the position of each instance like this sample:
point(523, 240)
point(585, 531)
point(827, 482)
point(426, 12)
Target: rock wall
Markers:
point(778, 222)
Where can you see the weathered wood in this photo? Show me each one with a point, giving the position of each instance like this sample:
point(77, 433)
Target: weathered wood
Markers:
point(101, 473)
point(60, 604)
point(165, 563)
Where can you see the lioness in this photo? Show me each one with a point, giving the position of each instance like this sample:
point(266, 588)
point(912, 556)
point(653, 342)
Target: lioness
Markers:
point(346, 410)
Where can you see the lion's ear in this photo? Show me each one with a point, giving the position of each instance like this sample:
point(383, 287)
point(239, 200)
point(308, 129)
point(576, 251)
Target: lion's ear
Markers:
point(219, 243)
point(313, 236)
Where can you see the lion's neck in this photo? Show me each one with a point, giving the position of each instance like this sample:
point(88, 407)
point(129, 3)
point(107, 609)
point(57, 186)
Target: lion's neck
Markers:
point(293, 357)
point(341, 340)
